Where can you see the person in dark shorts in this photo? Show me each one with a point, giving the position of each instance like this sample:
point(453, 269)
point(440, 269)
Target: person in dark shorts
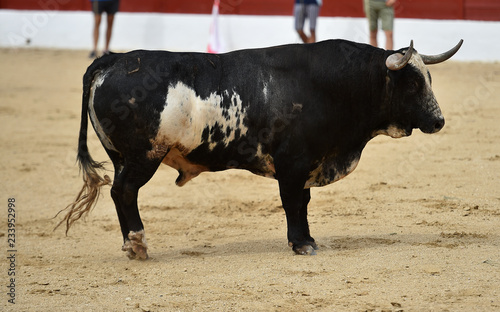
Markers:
point(309, 9)
point(99, 7)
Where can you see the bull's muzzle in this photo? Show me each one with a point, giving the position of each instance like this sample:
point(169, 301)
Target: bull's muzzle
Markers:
point(439, 124)
point(434, 125)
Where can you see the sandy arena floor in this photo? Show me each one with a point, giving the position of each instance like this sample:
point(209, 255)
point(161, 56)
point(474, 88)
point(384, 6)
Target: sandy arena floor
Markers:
point(416, 227)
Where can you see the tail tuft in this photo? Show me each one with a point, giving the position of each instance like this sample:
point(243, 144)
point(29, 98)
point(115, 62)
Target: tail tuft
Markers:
point(88, 195)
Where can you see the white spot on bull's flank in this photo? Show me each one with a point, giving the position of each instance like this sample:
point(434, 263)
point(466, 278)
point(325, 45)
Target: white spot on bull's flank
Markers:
point(267, 163)
point(187, 115)
point(98, 81)
point(265, 89)
point(296, 108)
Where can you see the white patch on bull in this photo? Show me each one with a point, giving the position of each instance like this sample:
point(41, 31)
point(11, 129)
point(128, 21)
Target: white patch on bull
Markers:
point(264, 91)
point(392, 131)
point(320, 177)
point(267, 163)
point(297, 107)
point(96, 83)
point(183, 121)
point(186, 116)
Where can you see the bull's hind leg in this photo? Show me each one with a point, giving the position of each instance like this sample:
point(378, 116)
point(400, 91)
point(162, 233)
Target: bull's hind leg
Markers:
point(118, 164)
point(129, 178)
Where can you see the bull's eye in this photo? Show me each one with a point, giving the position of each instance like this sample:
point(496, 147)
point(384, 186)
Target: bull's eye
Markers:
point(414, 86)
point(417, 84)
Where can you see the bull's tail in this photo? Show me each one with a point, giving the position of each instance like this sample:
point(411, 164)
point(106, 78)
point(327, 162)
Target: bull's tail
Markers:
point(92, 180)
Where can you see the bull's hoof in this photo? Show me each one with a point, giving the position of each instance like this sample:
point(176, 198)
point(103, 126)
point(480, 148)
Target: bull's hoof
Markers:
point(139, 253)
point(135, 246)
point(305, 250)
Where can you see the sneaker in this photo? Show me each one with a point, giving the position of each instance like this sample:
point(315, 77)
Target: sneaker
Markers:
point(92, 55)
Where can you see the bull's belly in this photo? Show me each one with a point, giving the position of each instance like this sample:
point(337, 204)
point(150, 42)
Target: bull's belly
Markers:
point(262, 165)
point(330, 171)
point(187, 169)
point(176, 156)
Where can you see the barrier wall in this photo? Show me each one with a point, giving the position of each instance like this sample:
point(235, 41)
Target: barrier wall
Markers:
point(487, 10)
point(190, 32)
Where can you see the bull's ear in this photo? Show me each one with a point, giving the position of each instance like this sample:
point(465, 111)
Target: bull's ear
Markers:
point(397, 60)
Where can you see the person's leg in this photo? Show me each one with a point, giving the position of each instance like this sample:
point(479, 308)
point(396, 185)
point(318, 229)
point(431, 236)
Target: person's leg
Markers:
point(312, 14)
point(389, 41)
point(387, 18)
point(372, 15)
point(303, 36)
point(109, 30)
point(312, 38)
point(373, 38)
point(97, 23)
point(299, 14)
point(111, 9)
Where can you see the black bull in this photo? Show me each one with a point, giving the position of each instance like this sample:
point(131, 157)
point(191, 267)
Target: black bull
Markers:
point(300, 114)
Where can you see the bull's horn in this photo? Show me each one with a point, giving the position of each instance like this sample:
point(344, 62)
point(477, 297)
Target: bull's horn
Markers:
point(434, 59)
point(397, 61)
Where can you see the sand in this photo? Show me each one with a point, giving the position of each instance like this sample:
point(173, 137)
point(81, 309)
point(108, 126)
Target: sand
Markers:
point(416, 227)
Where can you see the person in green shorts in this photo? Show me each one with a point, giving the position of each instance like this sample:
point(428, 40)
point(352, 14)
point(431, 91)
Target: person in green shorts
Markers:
point(383, 10)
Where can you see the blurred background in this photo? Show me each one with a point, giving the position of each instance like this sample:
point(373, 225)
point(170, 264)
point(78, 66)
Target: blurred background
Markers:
point(435, 26)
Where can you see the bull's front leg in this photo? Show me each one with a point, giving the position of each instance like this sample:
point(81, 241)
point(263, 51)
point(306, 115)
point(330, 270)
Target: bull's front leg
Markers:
point(295, 200)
